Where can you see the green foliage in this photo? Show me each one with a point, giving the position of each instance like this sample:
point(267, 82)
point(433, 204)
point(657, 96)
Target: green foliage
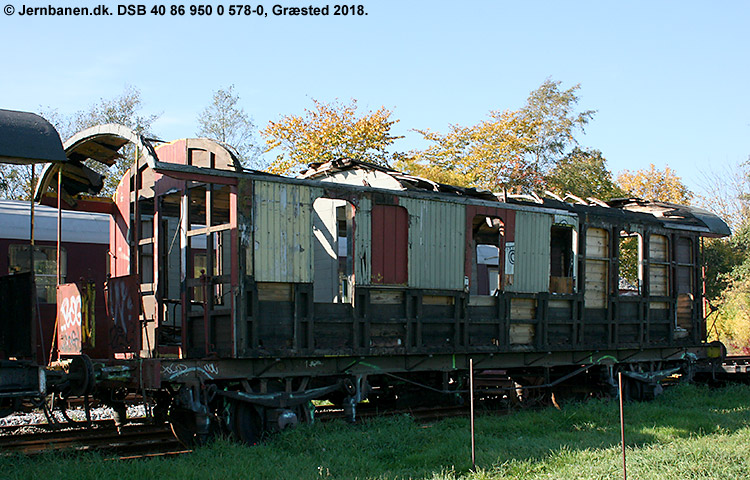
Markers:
point(583, 173)
point(728, 284)
point(720, 257)
point(327, 132)
point(225, 121)
point(706, 440)
point(629, 260)
point(512, 149)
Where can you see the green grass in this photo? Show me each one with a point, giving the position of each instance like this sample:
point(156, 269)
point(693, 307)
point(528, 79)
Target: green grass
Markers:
point(690, 432)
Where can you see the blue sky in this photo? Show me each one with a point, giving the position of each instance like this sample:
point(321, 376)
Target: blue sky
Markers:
point(669, 79)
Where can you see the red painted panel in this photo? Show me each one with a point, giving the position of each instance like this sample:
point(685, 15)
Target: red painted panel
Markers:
point(123, 309)
point(173, 152)
point(390, 245)
point(118, 230)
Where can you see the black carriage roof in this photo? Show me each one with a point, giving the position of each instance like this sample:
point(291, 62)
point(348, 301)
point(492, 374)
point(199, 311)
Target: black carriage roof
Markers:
point(27, 138)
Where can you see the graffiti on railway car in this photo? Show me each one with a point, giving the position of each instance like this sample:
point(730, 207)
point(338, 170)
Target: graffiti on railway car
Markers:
point(123, 308)
point(69, 319)
point(170, 371)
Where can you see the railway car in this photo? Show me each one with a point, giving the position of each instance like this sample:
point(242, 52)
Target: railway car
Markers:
point(236, 297)
point(84, 259)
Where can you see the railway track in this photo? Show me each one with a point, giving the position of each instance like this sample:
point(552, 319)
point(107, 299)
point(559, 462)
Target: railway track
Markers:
point(130, 440)
point(139, 440)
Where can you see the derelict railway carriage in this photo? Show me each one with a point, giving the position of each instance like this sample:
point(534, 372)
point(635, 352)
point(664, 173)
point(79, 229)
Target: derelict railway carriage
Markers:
point(357, 282)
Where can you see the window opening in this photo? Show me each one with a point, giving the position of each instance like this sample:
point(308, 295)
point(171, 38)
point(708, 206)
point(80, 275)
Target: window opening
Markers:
point(219, 204)
point(630, 256)
point(170, 328)
point(487, 236)
point(333, 227)
point(45, 268)
point(561, 259)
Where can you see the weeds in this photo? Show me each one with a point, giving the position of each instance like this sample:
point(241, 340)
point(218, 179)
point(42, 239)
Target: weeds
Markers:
point(689, 432)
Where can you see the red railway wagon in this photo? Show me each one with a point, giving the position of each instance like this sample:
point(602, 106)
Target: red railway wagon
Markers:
point(84, 260)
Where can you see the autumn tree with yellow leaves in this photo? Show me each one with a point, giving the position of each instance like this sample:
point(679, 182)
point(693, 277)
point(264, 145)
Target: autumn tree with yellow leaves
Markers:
point(327, 132)
point(654, 184)
point(512, 149)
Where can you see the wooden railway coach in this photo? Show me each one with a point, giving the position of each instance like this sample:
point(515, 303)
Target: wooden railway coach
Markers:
point(352, 281)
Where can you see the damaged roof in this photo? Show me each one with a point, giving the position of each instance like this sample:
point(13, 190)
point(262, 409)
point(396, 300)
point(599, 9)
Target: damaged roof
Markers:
point(329, 170)
point(627, 209)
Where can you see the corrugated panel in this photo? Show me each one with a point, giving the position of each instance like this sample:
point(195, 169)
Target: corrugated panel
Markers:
point(283, 232)
point(437, 233)
point(532, 257)
point(362, 239)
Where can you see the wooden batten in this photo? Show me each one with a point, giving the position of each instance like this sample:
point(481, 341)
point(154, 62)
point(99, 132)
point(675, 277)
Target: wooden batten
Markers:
point(482, 301)
point(386, 297)
point(274, 292)
point(559, 303)
point(521, 334)
point(438, 300)
point(523, 309)
point(561, 284)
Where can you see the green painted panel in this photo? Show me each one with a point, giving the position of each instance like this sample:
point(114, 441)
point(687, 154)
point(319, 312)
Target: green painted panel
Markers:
point(283, 232)
point(532, 258)
point(437, 234)
point(362, 241)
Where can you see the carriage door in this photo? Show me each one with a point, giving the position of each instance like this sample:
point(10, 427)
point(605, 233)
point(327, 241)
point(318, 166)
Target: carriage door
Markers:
point(390, 245)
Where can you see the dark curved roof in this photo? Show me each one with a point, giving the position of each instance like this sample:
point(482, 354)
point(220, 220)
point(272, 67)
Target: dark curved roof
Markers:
point(27, 138)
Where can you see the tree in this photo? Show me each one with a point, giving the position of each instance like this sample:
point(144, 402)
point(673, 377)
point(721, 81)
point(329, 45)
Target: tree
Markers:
point(726, 192)
point(583, 173)
point(652, 184)
point(226, 122)
point(512, 149)
point(124, 109)
point(15, 181)
point(327, 132)
point(727, 263)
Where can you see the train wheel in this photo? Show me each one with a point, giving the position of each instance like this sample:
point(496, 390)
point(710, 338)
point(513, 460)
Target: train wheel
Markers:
point(184, 427)
point(246, 423)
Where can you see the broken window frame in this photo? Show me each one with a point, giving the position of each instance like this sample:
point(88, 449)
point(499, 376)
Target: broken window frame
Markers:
point(329, 245)
point(483, 227)
point(624, 237)
point(570, 249)
point(45, 271)
point(591, 261)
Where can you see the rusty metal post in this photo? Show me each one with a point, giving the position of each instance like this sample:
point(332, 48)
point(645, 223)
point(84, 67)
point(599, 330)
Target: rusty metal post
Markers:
point(34, 309)
point(622, 427)
point(471, 408)
point(59, 223)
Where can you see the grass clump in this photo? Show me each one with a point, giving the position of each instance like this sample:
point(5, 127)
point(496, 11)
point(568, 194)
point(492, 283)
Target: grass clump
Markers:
point(689, 432)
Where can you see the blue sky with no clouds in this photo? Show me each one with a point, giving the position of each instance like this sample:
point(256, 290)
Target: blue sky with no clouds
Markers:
point(669, 79)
